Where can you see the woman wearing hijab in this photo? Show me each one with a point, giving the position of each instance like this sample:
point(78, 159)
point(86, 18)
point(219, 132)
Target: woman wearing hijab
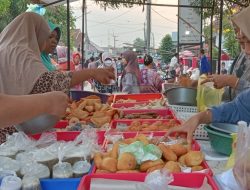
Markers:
point(107, 63)
point(130, 80)
point(234, 111)
point(21, 69)
point(51, 46)
point(151, 81)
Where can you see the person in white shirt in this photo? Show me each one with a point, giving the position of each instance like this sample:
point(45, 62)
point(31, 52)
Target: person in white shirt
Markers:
point(173, 65)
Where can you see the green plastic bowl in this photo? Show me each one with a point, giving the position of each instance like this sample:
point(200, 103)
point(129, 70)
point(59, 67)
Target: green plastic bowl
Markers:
point(220, 142)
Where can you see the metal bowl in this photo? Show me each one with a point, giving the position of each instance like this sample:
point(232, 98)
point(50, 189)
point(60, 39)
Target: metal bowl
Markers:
point(181, 96)
point(38, 124)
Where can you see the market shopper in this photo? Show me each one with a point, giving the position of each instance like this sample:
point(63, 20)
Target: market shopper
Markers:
point(51, 46)
point(107, 62)
point(239, 80)
point(205, 67)
point(20, 45)
point(173, 65)
point(151, 81)
point(21, 68)
point(130, 79)
point(16, 109)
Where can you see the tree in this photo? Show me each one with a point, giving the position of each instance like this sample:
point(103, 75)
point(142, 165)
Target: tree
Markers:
point(139, 44)
point(166, 48)
point(57, 15)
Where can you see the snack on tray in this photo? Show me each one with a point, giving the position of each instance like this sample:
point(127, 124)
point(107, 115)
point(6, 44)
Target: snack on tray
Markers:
point(157, 126)
point(90, 110)
point(144, 115)
point(124, 159)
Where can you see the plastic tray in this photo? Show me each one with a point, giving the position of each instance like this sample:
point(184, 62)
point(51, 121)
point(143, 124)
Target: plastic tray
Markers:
point(132, 105)
point(64, 184)
point(161, 112)
point(124, 123)
point(194, 180)
point(138, 97)
point(183, 113)
point(77, 95)
point(71, 135)
point(195, 146)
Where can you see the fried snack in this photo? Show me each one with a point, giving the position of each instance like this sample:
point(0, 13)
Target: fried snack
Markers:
point(100, 121)
point(89, 108)
point(80, 114)
point(109, 164)
point(168, 154)
point(149, 164)
point(105, 107)
point(99, 114)
point(194, 158)
point(129, 140)
point(126, 161)
point(115, 150)
point(197, 168)
point(128, 171)
point(142, 138)
point(98, 160)
point(110, 112)
point(106, 154)
point(97, 106)
point(172, 167)
point(82, 105)
point(98, 171)
point(181, 160)
point(160, 166)
point(73, 120)
point(91, 102)
point(178, 149)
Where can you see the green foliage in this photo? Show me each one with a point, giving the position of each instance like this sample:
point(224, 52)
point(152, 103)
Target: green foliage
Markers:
point(230, 43)
point(57, 15)
point(139, 44)
point(166, 47)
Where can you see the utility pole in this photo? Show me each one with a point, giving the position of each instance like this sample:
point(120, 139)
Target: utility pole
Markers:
point(153, 38)
point(86, 32)
point(145, 38)
point(114, 40)
point(148, 25)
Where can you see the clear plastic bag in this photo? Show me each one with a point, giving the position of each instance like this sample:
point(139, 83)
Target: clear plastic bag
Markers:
point(242, 162)
point(207, 95)
point(34, 169)
point(80, 168)
point(31, 183)
point(158, 179)
point(11, 183)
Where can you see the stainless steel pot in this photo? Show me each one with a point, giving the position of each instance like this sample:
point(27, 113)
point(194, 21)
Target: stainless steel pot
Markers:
point(181, 96)
point(38, 124)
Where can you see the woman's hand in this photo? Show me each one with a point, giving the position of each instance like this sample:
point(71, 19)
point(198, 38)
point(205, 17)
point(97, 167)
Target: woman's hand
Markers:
point(190, 125)
point(221, 81)
point(56, 103)
point(104, 75)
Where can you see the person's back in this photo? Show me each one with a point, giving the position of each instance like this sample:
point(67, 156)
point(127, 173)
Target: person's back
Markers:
point(204, 64)
point(151, 81)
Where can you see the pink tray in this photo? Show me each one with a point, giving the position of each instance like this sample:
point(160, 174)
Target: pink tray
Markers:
point(164, 113)
point(71, 135)
point(127, 122)
point(195, 146)
point(192, 180)
point(138, 97)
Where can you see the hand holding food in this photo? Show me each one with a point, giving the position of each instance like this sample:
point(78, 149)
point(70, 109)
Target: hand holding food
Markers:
point(57, 102)
point(104, 76)
point(221, 81)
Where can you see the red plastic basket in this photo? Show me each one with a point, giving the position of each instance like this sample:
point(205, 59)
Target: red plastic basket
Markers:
point(122, 124)
point(71, 135)
point(138, 97)
point(193, 180)
point(195, 146)
point(164, 113)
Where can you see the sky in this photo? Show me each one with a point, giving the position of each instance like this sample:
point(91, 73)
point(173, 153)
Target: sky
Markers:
point(126, 24)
